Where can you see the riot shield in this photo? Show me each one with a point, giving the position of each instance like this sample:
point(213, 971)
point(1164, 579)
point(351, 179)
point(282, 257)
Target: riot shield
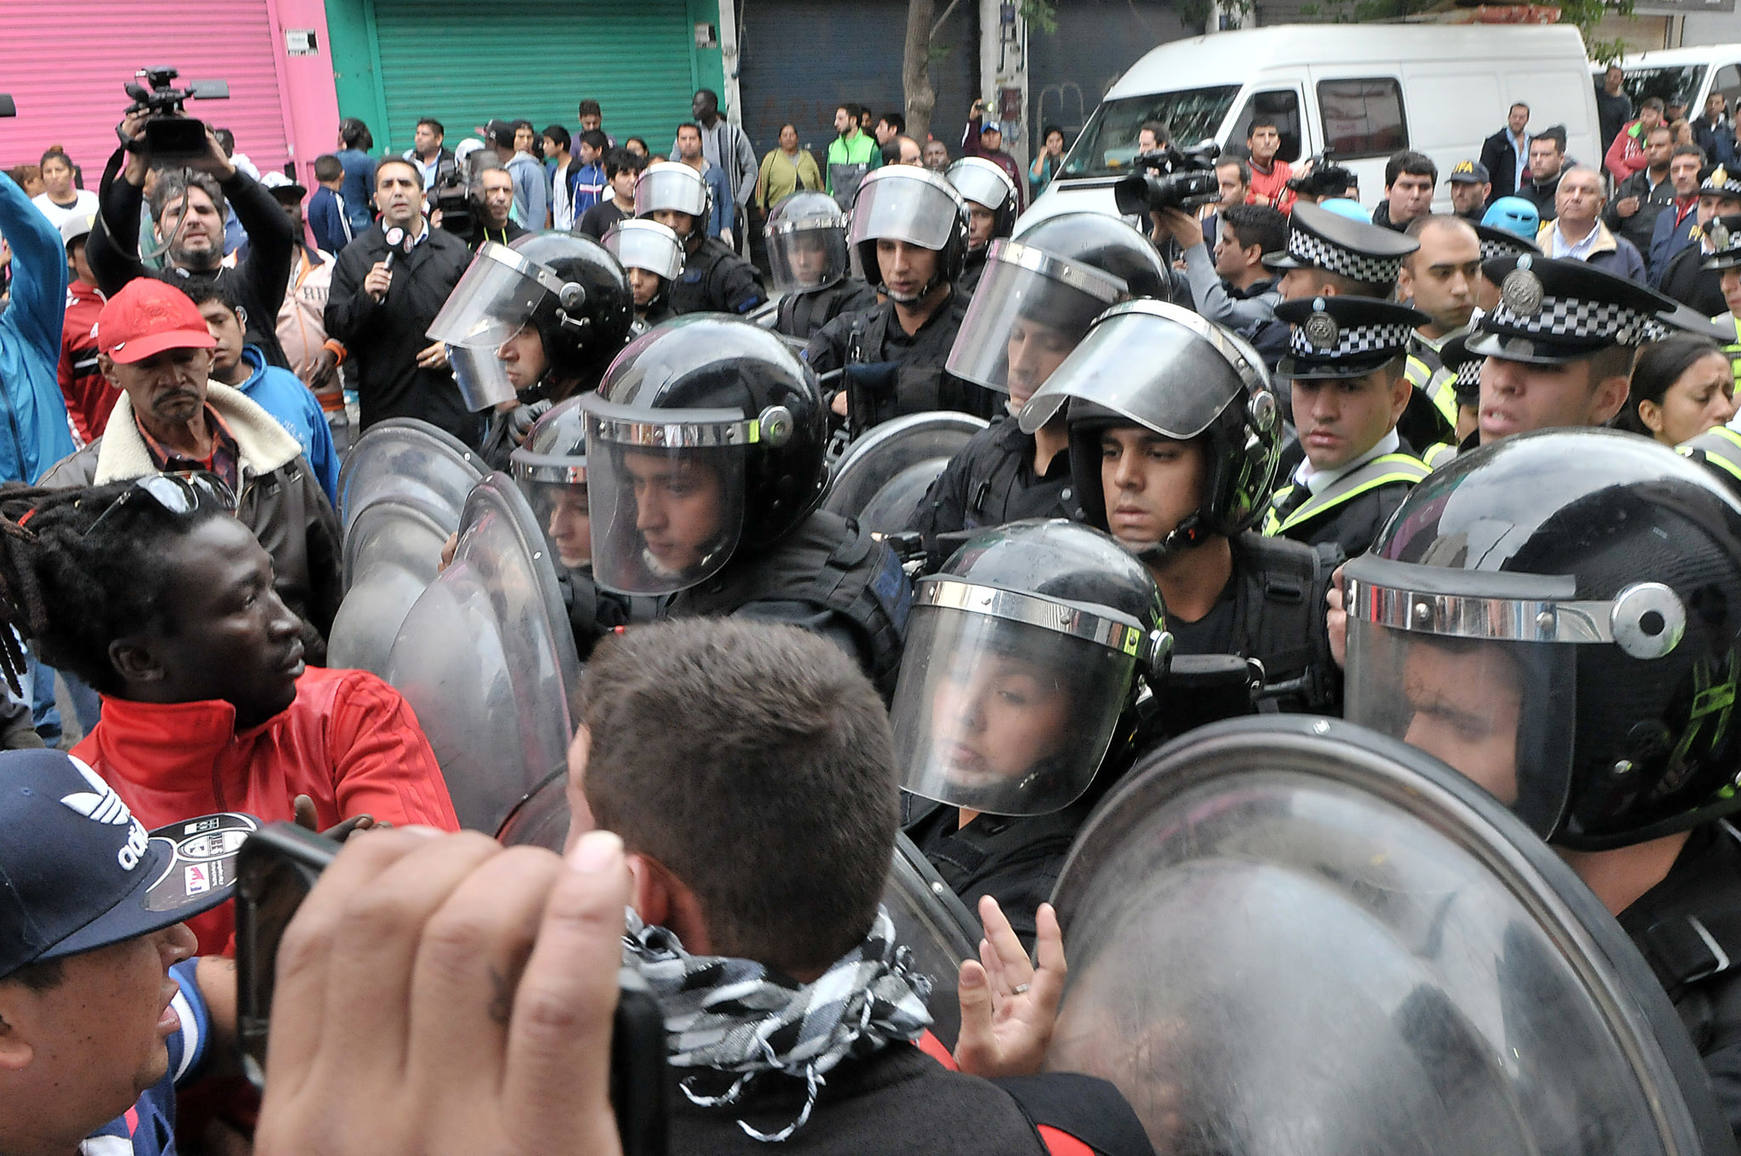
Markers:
point(928, 917)
point(410, 462)
point(886, 472)
point(1294, 935)
point(486, 658)
point(400, 496)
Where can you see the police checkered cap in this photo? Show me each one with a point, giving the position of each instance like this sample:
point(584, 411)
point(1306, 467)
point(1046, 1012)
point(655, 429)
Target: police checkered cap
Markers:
point(1468, 381)
point(1722, 181)
point(1496, 242)
point(1354, 342)
point(1575, 319)
point(1321, 253)
point(1345, 336)
point(1553, 310)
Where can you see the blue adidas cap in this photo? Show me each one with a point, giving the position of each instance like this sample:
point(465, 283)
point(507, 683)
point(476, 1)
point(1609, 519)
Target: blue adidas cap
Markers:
point(79, 872)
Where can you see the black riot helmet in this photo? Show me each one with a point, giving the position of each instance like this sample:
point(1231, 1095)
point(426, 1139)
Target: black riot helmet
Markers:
point(1165, 369)
point(1023, 664)
point(1558, 616)
point(550, 469)
point(981, 182)
point(911, 204)
point(806, 235)
point(565, 286)
point(1105, 243)
point(706, 435)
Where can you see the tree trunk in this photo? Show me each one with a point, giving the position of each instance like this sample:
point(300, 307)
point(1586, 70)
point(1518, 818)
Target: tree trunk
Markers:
point(921, 98)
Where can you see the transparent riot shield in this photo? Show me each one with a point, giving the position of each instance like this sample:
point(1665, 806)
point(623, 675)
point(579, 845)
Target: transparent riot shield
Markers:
point(411, 462)
point(884, 473)
point(400, 496)
point(486, 658)
point(928, 917)
point(1295, 935)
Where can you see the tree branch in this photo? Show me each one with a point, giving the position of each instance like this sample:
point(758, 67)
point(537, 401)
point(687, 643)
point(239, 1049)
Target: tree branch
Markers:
point(943, 19)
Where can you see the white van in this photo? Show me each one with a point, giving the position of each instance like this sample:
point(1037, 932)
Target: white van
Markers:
point(1685, 74)
point(1363, 90)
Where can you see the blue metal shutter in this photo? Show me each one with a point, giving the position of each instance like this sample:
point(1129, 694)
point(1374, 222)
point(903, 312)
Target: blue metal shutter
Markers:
point(804, 58)
point(65, 64)
point(463, 62)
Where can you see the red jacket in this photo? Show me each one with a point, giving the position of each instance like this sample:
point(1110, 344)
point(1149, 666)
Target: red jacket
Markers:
point(89, 396)
point(1271, 188)
point(1626, 153)
point(348, 741)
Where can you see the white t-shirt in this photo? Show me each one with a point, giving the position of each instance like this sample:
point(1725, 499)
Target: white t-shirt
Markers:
point(84, 205)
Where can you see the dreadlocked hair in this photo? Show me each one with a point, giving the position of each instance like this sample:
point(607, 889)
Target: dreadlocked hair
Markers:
point(73, 593)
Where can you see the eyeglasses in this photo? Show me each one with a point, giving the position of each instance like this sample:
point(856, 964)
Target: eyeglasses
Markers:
point(175, 493)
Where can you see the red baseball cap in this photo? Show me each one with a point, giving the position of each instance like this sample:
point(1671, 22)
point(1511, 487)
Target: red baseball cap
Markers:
point(148, 316)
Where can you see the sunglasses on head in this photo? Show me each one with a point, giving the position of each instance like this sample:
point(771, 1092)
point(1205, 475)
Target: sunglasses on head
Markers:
point(175, 493)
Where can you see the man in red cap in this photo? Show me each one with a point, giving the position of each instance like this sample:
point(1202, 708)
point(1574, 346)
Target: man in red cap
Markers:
point(153, 345)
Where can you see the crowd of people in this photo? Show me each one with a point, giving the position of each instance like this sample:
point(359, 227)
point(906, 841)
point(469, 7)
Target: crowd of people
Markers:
point(1463, 478)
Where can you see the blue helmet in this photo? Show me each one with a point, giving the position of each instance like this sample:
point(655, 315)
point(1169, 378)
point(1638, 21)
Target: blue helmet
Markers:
point(1514, 215)
point(1346, 207)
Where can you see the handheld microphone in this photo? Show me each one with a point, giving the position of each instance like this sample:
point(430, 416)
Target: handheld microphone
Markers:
point(395, 244)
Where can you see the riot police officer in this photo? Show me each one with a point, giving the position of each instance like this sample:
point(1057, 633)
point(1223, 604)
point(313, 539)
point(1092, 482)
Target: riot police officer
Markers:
point(991, 212)
point(652, 257)
point(807, 260)
point(714, 279)
point(1558, 617)
point(910, 229)
point(535, 321)
point(1344, 367)
point(705, 449)
point(1039, 295)
point(1174, 436)
point(1017, 706)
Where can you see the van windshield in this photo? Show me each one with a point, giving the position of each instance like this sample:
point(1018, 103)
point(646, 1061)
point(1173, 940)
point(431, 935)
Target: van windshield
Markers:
point(1108, 141)
point(1674, 83)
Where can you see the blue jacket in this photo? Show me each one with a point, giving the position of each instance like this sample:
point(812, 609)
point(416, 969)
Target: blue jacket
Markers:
point(358, 187)
point(531, 196)
point(326, 218)
point(1667, 239)
point(720, 217)
point(36, 433)
point(282, 394)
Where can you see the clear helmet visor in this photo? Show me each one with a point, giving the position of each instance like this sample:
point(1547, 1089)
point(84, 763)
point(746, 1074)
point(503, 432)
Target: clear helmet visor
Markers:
point(482, 378)
point(646, 245)
point(905, 207)
point(670, 186)
point(1163, 367)
point(1002, 715)
point(1029, 311)
point(806, 254)
point(666, 491)
point(496, 296)
point(1499, 711)
point(981, 181)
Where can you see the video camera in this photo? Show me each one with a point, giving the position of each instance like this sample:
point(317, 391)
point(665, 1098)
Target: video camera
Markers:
point(170, 135)
point(1169, 178)
point(275, 870)
point(1326, 178)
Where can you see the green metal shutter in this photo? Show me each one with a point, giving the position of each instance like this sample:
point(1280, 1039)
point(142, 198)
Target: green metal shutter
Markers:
point(464, 61)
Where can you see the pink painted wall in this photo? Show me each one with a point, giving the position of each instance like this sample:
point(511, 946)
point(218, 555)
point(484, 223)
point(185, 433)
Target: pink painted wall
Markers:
point(311, 104)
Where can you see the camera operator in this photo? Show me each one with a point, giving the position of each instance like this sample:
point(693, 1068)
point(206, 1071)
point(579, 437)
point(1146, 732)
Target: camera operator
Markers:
point(188, 206)
point(1232, 288)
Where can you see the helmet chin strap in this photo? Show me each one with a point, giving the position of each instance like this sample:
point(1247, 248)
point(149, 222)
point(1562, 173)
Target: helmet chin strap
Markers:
point(1186, 535)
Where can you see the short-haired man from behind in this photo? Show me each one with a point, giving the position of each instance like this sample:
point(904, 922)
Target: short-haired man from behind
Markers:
point(1577, 231)
point(817, 1047)
point(1409, 180)
point(327, 217)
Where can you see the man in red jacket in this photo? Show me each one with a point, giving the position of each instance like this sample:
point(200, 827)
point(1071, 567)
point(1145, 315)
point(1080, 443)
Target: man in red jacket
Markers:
point(156, 595)
point(89, 395)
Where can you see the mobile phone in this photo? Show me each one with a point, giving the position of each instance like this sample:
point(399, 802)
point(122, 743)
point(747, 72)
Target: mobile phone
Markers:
point(275, 869)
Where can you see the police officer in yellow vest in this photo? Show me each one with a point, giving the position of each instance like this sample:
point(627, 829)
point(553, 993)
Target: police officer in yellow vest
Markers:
point(1725, 235)
point(1345, 366)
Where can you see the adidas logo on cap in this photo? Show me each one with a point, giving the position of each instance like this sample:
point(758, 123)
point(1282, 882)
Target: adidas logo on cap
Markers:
point(102, 805)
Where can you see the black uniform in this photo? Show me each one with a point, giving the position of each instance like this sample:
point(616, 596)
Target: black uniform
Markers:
point(1273, 610)
point(385, 337)
point(715, 280)
point(1349, 513)
point(828, 576)
point(992, 481)
point(802, 315)
point(257, 281)
point(1704, 884)
point(1688, 282)
point(904, 373)
point(972, 270)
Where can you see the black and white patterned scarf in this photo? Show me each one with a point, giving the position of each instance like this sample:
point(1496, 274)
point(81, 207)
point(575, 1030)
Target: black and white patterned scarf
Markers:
point(734, 1015)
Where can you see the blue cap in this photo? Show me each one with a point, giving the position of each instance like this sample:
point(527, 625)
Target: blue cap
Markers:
point(79, 872)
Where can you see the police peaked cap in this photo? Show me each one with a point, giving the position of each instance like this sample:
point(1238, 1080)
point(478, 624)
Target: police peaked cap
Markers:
point(1552, 311)
point(1344, 337)
point(1497, 242)
point(1320, 239)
